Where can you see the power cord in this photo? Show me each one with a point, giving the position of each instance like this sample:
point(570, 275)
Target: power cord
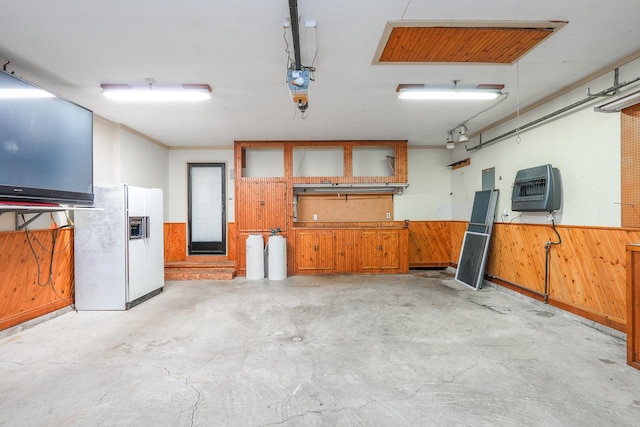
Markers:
point(547, 248)
point(516, 217)
point(31, 238)
point(553, 227)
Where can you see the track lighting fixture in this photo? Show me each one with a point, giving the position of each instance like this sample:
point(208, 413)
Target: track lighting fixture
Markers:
point(450, 143)
point(463, 134)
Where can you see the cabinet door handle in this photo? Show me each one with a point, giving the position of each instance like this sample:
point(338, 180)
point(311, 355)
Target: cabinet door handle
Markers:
point(380, 247)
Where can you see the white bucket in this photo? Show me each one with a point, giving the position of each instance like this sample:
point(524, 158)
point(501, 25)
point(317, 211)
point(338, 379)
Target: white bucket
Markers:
point(255, 257)
point(277, 258)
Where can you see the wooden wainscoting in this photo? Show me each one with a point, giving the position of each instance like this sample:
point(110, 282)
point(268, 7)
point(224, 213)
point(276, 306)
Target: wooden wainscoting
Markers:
point(32, 283)
point(435, 243)
point(458, 228)
point(175, 241)
point(587, 272)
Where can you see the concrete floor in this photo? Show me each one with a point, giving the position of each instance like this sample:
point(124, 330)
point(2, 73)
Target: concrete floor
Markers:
point(309, 351)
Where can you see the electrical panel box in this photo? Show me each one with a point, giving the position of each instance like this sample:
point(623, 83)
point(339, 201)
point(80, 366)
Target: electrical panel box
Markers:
point(537, 189)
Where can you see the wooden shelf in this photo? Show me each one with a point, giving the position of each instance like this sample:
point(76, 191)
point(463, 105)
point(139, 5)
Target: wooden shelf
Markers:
point(39, 210)
point(36, 209)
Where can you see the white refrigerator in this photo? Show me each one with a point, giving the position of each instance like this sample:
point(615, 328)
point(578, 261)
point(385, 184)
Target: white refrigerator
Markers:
point(119, 248)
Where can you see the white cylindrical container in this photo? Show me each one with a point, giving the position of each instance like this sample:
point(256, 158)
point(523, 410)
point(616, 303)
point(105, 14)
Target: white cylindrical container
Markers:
point(255, 257)
point(277, 258)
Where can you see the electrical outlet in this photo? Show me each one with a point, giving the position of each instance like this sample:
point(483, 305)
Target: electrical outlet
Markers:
point(315, 217)
point(388, 215)
point(506, 212)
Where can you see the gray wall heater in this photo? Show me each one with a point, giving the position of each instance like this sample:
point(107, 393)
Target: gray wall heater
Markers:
point(537, 189)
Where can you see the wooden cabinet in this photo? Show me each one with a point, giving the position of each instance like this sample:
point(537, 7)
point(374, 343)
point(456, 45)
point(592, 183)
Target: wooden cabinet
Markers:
point(270, 175)
point(350, 250)
point(262, 206)
point(633, 306)
point(315, 251)
point(379, 250)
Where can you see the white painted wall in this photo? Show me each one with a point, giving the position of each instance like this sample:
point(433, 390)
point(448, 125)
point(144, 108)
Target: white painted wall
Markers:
point(177, 173)
point(582, 144)
point(428, 195)
point(106, 152)
point(144, 164)
point(124, 157)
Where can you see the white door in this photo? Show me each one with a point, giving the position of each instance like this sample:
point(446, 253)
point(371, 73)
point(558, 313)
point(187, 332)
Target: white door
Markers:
point(207, 219)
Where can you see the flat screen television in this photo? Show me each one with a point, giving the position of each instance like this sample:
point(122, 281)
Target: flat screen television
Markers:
point(46, 146)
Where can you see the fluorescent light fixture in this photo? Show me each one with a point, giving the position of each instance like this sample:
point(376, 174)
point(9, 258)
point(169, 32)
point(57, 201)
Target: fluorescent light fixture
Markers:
point(619, 103)
point(24, 93)
point(184, 92)
point(448, 94)
point(480, 92)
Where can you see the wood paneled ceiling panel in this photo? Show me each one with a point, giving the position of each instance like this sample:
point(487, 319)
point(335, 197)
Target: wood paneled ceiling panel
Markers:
point(461, 42)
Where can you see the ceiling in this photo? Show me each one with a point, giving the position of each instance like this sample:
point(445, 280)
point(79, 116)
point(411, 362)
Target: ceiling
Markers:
point(238, 47)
